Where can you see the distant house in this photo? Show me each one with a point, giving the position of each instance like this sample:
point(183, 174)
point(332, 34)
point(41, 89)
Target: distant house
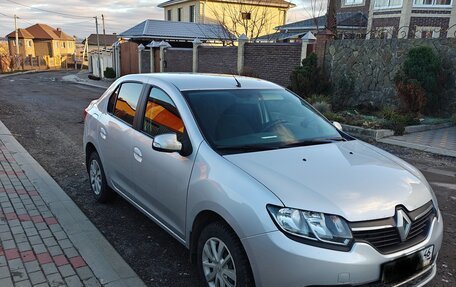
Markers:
point(41, 40)
point(4, 50)
point(105, 41)
point(178, 34)
point(349, 25)
point(250, 17)
point(412, 18)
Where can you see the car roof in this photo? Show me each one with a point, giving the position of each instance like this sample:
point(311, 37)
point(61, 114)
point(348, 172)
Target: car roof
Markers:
point(190, 81)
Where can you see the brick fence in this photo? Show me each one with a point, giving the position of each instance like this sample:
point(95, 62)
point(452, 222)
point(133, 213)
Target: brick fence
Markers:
point(273, 61)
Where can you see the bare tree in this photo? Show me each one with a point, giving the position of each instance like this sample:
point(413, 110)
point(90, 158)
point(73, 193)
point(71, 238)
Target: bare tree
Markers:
point(252, 18)
point(315, 9)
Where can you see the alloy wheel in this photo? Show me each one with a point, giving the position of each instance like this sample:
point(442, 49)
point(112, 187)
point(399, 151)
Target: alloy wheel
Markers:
point(218, 264)
point(95, 177)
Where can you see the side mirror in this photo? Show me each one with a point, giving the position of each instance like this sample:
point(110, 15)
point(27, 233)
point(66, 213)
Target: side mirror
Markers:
point(338, 126)
point(167, 143)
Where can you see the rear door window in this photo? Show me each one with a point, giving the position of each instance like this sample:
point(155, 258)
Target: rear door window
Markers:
point(127, 101)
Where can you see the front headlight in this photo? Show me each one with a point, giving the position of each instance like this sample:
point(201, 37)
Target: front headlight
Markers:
point(315, 226)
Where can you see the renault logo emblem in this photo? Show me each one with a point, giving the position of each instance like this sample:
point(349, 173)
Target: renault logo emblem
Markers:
point(403, 224)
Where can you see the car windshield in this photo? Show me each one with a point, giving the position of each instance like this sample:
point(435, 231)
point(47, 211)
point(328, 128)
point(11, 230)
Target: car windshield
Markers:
point(234, 121)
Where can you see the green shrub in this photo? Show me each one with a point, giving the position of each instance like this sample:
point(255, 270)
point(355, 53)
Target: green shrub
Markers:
point(398, 122)
point(343, 91)
point(315, 98)
point(308, 79)
point(110, 73)
point(418, 82)
point(333, 117)
point(322, 107)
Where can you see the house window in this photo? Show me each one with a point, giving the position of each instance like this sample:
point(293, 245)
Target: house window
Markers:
point(179, 14)
point(169, 16)
point(192, 13)
point(353, 2)
point(29, 43)
point(246, 15)
point(438, 3)
point(427, 32)
point(385, 4)
point(63, 44)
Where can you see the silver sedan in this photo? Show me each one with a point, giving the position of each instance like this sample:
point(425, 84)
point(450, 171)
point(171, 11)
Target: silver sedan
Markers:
point(259, 186)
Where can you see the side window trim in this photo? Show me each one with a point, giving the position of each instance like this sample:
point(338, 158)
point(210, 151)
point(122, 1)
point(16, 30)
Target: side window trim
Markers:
point(144, 102)
point(117, 90)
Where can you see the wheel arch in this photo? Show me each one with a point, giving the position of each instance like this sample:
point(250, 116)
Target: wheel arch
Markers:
point(89, 149)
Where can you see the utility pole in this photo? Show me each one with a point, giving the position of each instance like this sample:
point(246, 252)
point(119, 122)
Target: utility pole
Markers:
point(17, 35)
point(104, 31)
point(98, 47)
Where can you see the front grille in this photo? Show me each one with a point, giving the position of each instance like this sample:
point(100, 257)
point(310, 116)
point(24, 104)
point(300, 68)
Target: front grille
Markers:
point(387, 240)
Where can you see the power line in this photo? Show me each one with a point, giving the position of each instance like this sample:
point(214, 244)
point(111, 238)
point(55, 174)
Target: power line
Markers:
point(6, 15)
point(48, 11)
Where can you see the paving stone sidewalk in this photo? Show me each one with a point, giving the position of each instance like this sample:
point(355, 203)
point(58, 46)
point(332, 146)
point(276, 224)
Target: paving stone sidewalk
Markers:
point(45, 240)
point(34, 249)
point(439, 141)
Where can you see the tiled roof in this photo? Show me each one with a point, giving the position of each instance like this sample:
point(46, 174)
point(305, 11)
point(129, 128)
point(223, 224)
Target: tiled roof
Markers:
point(275, 3)
point(281, 36)
point(43, 31)
point(158, 29)
point(107, 40)
point(346, 19)
point(22, 34)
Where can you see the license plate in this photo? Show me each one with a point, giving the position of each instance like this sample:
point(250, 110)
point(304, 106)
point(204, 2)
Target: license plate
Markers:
point(405, 267)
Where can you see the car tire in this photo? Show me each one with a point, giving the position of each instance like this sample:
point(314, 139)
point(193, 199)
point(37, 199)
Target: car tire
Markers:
point(235, 266)
point(97, 179)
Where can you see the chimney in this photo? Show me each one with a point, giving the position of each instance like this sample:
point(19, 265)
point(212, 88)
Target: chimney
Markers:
point(59, 29)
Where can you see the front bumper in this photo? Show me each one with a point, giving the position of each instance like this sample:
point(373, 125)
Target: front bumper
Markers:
point(277, 260)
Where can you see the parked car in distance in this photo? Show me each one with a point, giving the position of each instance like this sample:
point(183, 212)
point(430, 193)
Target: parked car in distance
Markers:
point(260, 187)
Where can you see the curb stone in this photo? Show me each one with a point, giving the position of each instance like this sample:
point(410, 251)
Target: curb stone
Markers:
point(107, 265)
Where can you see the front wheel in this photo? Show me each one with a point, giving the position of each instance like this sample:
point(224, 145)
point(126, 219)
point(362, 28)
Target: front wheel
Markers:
point(97, 179)
point(221, 258)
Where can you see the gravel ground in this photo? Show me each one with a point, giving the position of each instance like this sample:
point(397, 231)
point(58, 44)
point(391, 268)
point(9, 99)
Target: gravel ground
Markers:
point(45, 115)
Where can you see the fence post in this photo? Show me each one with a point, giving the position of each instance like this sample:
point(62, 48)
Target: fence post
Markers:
point(31, 60)
point(307, 39)
point(140, 49)
point(196, 43)
point(38, 62)
point(240, 56)
point(163, 46)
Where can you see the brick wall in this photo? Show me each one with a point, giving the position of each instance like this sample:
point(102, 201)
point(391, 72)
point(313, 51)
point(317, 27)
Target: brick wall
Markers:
point(178, 60)
point(386, 22)
point(272, 62)
point(219, 60)
point(443, 23)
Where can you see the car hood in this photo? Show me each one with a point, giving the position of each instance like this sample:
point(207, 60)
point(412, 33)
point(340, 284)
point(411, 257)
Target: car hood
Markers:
point(351, 179)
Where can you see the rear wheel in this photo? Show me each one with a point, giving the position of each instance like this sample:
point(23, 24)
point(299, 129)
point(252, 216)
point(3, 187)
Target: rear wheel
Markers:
point(221, 258)
point(97, 179)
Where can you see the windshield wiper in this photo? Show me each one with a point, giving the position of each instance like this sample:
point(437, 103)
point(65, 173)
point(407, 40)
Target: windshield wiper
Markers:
point(245, 148)
point(313, 142)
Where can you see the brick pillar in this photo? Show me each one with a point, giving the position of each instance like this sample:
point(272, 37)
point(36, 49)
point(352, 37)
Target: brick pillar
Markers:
point(196, 43)
point(152, 45)
point(322, 38)
point(163, 46)
point(240, 57)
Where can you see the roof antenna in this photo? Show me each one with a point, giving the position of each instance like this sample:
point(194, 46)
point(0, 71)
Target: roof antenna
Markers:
point(238, 84)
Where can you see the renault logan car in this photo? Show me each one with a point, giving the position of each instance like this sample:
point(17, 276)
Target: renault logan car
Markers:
point(260, 187)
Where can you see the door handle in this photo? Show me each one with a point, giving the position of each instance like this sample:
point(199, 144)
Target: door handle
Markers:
point(103, 133)
point(137, 154)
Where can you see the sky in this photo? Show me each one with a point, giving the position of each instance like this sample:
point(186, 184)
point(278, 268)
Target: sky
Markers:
point(75, 17)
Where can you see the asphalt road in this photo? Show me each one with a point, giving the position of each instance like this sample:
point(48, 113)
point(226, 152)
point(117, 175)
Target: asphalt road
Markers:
point(45, 114)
